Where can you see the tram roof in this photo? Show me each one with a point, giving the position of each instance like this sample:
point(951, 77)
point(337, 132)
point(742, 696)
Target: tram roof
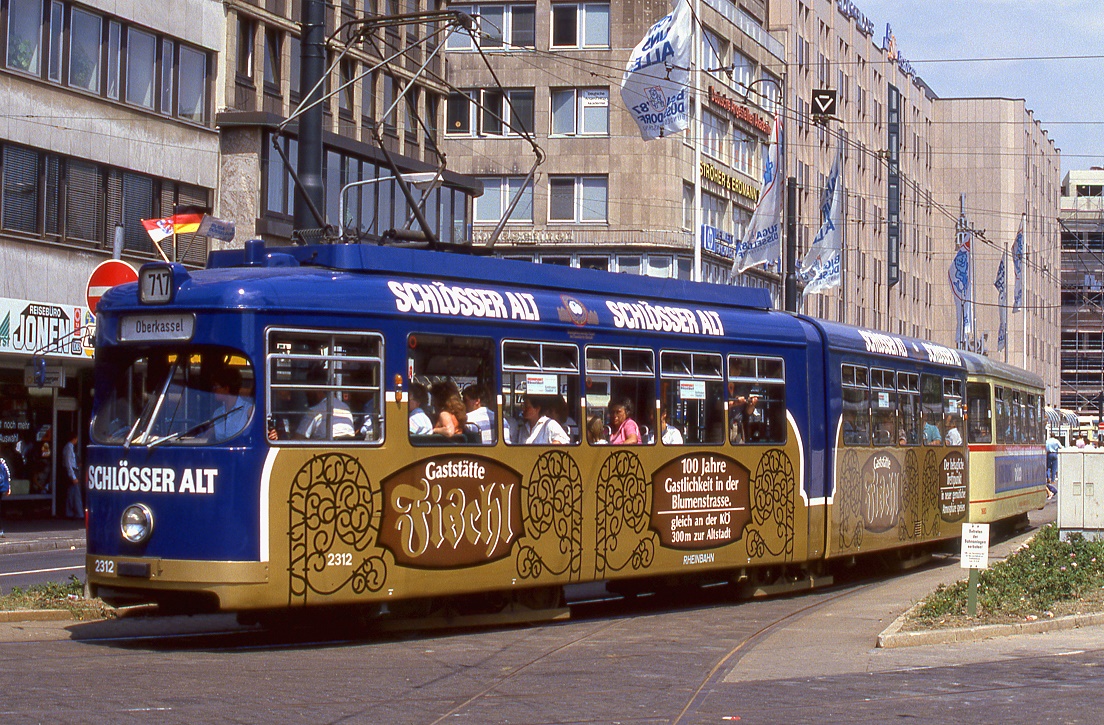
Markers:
point(882, 344)
point(363, 258)
point(981, 365)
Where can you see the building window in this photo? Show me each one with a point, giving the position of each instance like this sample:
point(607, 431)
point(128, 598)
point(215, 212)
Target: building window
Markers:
point(498, 192)
point(585, 25)
point(84, 50)
point(246, 29)
point(498, 26)
point(25, 35)
point(273, 46)
point(141, 63)
point(114, 58)
point(21, 192)
point(166, 76)
point(580, 111)
point(687, 206)
point(713, 210)
point(715, 130)
point(191, 104)
point(57, 25)
point(491, 112)
point(578, 198)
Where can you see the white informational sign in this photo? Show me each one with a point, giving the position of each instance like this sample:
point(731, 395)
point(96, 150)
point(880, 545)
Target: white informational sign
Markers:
point(541, 384)
point(692, 389)
point(975, 546)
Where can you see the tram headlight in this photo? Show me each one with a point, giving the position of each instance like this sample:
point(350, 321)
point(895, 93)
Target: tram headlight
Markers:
point(136, 523)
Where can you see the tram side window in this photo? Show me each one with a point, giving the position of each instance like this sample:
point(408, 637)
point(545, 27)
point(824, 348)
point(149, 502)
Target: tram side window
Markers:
point(1001, 401)
point(1034, 420)
point(324, 387)
point(931, 400)
point(540, 393)
point(952, 411)
point(1015, 435)
point(621, 391)
point(192, 396)
point(979, 413)
point(691, 398)
point(856, 406)
point(883, 408)
point(756, 399)
point(911, 418)
point(450, 400)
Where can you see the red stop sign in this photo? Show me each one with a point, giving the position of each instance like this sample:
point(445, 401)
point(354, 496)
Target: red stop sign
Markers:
point(109, 273)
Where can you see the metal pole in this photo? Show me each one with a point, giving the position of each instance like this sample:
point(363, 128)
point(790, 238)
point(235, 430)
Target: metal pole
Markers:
point(312, 67)
point(791, 244)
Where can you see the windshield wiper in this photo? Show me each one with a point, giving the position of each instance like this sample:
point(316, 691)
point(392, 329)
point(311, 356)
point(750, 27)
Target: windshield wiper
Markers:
point(194, 429)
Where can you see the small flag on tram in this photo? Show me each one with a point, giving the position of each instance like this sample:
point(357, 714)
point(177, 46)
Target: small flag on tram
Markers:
point(158, 229)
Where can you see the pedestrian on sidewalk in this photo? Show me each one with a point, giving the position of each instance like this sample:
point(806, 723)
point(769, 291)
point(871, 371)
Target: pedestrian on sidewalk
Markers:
point(5, 486)
point(74, 501)
point(1052, 446)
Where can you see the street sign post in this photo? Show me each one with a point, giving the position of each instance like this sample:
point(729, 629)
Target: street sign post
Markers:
point(975, 556)
point(108, 274)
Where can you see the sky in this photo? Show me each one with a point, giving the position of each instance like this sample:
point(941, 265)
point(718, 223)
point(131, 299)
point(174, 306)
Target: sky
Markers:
point(1066, 95)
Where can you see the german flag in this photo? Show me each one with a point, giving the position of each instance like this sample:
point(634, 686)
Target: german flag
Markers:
point(186, 219)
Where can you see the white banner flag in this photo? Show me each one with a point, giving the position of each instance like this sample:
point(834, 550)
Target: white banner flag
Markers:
point(654, 87)
point(762, 240)
point(1017, 265)
point(820, 270)
point(1001, 284)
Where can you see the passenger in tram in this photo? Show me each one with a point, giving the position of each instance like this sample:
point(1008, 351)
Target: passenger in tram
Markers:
point(932, 436)
point(561, 413)
point(953, 437)
point(540, 428)
point(479, 416)
point(743, 409)
point(418, 422)
point(451, 413)
point(596, 431)
point(314, 426)
point(625, 430)
point(671, 436)
point(234, 409)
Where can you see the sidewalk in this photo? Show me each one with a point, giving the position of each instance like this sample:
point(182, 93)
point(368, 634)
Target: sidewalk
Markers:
point(41, 534)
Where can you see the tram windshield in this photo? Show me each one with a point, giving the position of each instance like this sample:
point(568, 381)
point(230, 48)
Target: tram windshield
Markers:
point(194, 396)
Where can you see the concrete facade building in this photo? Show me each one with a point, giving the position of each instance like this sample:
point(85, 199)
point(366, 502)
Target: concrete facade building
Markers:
point(1082, 224)
point(108, 119)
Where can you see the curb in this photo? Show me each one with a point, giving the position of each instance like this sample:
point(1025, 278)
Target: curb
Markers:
point(36, 615)
point(22, 547)
point(893, 637)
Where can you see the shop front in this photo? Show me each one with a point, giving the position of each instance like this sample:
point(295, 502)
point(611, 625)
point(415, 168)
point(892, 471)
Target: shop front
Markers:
point(45, 396)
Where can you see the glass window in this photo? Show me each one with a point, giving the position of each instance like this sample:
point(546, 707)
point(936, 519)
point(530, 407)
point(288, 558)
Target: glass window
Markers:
point(756, 399)
point(324, 387)
point(458, 111)
point(691, 398)
point(911, 418)
point(25, 35)
point(883, 407)
point(595, 26)
point(931, 392)
point(114, 54)
point(856, 406)
point(84, 196)
point(497, 194)
point(84, 50)
point(523, 27)
point(492, 25)
point(174, 397)
point(580, 26)
point(540, 393)
point(167, 70)
point(979, 413)
point(57, 25)
point(141, 62)
point(21, 189)
point(451, 391)
point(953, 408)
point(246, 30)
point(583, 111)
point(273, 44)
point(621, 393)
point(191, 104)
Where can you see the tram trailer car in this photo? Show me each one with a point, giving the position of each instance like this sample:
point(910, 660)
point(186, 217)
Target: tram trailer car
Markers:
point(252, 444)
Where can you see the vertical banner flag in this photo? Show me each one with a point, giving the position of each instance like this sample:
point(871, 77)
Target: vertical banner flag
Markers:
point(655, 83)
point(820, 270)
point(1001, 284)
point(959, 276)
point(762, 240)
point(1017, 265)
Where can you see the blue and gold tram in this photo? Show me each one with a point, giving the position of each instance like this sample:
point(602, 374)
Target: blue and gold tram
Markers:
point(352, 425)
